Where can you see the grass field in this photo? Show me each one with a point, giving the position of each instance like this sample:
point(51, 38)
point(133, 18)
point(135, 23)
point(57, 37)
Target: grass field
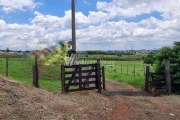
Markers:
point(131, 72)
point(21, 69)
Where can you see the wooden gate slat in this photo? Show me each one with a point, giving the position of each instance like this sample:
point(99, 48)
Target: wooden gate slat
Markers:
point(82, 65)
point(82, 71)
point(82, 77)
point(83, 83)
point(91, 88)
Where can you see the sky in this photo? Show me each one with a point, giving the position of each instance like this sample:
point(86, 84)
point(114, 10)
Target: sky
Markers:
point(100, 24)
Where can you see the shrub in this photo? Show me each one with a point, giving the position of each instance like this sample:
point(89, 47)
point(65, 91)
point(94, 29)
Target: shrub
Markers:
point(172, 54)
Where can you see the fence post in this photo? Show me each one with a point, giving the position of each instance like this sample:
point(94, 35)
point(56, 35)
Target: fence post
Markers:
point(168, 76)
point(98, 76)
point(80, 79)
point(103, 78)
point(134, 70)
point(7, 59)
point(144, 68)
point(147, 78)
point(63, 78)
point(121, 68)
point(35, 74)
point(127, 69)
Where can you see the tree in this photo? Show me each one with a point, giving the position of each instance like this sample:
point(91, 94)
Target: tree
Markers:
point(149, 59)
point(173, 55)
point(7, 50)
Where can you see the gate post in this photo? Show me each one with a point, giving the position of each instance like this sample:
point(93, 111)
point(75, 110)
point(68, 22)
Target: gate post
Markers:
point(147, 78)
point(80, 79)
point(63, 78)
point(98, 76)
point(168, 76)
point(103, 78)
point(35, 74)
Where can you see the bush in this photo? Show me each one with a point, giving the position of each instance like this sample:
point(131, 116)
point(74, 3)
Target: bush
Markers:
point(172, 54)
point(149, 59)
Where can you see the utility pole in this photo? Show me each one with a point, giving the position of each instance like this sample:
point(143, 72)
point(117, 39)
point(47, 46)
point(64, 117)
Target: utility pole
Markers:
point(73, 25)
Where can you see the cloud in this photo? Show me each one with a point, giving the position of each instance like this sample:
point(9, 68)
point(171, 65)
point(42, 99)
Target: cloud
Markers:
point(65, 21)
point(129, 8)
point(37, 13)
point(10, 5)
point(101, 29)
point(86, 2)
point(7, 9)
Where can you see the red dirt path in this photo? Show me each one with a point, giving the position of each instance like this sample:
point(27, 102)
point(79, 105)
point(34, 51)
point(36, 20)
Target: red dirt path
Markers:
point(22, 101)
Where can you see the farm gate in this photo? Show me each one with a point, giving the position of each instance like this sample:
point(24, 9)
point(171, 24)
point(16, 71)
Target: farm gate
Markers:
point(158, 81)
point(82, 77)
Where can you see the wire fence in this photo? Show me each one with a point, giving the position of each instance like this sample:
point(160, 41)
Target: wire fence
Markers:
point(122, 67)
point(22, 68)
point(14, 66)
point(49, 76)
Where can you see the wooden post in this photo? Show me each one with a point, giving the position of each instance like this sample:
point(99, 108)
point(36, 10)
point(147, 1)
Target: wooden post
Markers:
point(80, 79)
point(127, 69)
point(144, 68)
point(134, 70)
point(98, 76)
point(63, 78)
point(33, 70)
point(147, 78)
point(35, 74)
point(121, 68)
point(168, 76)
point(7, 66)
point(103, 78)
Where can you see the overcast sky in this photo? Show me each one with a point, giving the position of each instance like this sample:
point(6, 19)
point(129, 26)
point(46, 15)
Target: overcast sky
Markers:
point(100, 25)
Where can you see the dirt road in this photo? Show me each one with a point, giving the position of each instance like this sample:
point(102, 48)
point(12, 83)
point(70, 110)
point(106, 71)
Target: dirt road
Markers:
point(22, 102)
point(133, 103)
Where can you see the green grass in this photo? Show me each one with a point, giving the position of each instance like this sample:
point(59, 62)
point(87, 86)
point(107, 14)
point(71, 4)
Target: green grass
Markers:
point(17, 68)
point(122, 71)
point(136, 81)
point(130, 72)
point(21, 69)
point(123, 67)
